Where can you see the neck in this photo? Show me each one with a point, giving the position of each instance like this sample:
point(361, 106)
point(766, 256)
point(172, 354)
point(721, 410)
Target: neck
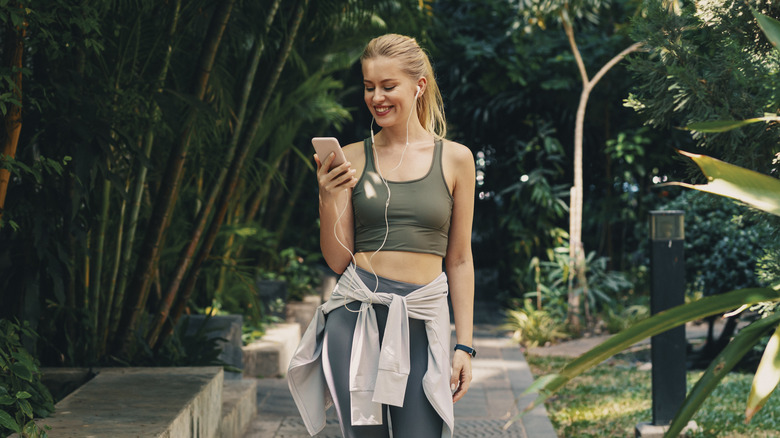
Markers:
point(395, 136)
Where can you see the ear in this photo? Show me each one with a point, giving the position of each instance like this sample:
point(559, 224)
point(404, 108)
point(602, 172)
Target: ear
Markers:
point(421, 83)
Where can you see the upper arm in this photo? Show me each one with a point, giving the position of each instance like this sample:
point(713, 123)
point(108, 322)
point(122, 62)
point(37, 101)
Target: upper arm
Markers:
point(461, 174)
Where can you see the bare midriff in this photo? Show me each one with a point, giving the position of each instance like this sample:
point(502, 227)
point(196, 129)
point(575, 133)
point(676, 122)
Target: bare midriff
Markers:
point(409, 267)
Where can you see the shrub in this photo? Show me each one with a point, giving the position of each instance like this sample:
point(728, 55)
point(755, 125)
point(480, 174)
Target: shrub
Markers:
point(22, 395)
point(532, 327)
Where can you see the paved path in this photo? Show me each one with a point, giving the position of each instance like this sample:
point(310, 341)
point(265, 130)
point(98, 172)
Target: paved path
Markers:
point(501, 374)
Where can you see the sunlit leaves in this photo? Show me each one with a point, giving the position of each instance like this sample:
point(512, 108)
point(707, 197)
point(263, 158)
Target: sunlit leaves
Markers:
point(753, 188)
point(770, 26)
point(767, 377)
point(728, 125)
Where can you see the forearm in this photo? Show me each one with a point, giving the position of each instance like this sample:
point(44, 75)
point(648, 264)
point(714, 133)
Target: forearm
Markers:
point(460, 276)
point(336, 219)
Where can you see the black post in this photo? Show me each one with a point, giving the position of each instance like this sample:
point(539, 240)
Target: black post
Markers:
point(667, 267)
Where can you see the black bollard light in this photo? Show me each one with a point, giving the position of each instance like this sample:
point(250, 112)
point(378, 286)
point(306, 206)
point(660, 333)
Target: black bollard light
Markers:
point(667, 290)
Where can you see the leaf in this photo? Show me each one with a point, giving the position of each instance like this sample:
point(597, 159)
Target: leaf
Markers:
point(652, 326)
point(767, 377)
point(742, 343)
point(753, 188)
point(26, 408)
point(23, 395)
point(21, 371)
point(8, 422)
point(725, 125)
point(770, 26)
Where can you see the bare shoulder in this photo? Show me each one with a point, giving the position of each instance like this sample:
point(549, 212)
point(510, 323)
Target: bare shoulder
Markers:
point(355, 154)
point(353, 150)
point(457, 156)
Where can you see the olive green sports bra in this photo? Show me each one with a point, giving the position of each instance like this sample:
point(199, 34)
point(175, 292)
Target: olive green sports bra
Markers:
point(419, 214)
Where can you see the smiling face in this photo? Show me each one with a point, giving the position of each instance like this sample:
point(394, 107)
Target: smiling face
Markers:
point(388, 91)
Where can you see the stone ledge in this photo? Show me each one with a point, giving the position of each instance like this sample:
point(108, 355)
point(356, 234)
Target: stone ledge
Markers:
point(150, 402)
point(239, 406)
point(270, 356)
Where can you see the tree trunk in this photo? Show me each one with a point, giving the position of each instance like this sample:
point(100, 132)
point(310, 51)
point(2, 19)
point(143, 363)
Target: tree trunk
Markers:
point(577, 274)
point(165, 200)
point(236, 165)
point(12, 124)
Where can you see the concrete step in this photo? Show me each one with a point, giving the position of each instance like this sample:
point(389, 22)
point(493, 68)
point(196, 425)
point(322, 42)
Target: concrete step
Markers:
point(149, 402)
point(239, 406)
point(270, 355)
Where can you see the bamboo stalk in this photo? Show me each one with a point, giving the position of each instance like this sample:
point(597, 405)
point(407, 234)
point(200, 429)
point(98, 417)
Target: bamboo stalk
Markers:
point(237, 164)
point(106, 313)
point(148, 142)
point(12, 124)
point(188, 252)
point(97, 272)
point(165, 200)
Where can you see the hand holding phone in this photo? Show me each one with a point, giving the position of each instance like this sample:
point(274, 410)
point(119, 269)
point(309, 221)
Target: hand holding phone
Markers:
point(324, 146)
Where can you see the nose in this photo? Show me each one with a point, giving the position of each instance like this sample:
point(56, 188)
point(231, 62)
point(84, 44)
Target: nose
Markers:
point(377, 96)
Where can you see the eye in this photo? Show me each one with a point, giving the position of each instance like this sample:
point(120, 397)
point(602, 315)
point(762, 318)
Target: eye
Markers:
point(389, 88)
point(369, 89)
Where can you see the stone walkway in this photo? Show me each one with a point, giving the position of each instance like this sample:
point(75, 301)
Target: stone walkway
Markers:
point(500, 372)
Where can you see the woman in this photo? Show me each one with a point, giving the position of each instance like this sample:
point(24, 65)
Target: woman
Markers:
point(391, 215)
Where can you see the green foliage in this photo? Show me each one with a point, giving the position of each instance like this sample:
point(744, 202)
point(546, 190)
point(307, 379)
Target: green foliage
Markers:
point(723, 178)
point(522, 87)
point(185, 347)
point(533, 205)
point(532, 327)
point(109, 90)
point(710, 62)
point(620, 317)
point(722, 242)
point(22, 395)
point(605, 286)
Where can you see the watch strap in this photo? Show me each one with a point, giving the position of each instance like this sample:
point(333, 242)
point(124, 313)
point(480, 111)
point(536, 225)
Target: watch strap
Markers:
point(472, 352)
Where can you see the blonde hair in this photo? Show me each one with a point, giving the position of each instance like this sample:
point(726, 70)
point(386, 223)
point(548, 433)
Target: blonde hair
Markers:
point(415, 63)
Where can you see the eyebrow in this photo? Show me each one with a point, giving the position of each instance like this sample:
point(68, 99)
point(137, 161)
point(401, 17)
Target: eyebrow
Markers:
point(366, 81)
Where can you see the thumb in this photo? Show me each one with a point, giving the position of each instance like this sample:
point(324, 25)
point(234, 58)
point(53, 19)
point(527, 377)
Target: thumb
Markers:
point(454, 380)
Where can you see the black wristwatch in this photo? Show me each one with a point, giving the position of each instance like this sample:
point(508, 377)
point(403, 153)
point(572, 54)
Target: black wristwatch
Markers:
point(472, 352)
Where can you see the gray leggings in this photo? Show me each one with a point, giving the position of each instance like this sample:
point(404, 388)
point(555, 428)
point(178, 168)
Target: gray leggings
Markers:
point(417, 418)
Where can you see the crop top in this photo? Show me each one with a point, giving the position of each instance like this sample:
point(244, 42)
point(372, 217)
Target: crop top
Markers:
point(419, 214)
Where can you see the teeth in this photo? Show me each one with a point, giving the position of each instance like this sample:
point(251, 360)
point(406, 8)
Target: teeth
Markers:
point(382, 109)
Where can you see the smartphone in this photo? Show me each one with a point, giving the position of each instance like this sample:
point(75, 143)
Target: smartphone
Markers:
point(324, 146)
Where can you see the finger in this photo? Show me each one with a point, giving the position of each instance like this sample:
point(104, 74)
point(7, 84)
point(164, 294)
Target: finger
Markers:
point(325, 165)
point(345, 178)
point(459, 394)
point(463, 387)
point(341, 182)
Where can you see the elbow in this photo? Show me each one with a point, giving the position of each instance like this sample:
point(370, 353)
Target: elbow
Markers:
point(337, 266)
point(460, 260)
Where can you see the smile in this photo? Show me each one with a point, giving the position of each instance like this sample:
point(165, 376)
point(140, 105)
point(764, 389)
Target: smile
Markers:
point(382, 110)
